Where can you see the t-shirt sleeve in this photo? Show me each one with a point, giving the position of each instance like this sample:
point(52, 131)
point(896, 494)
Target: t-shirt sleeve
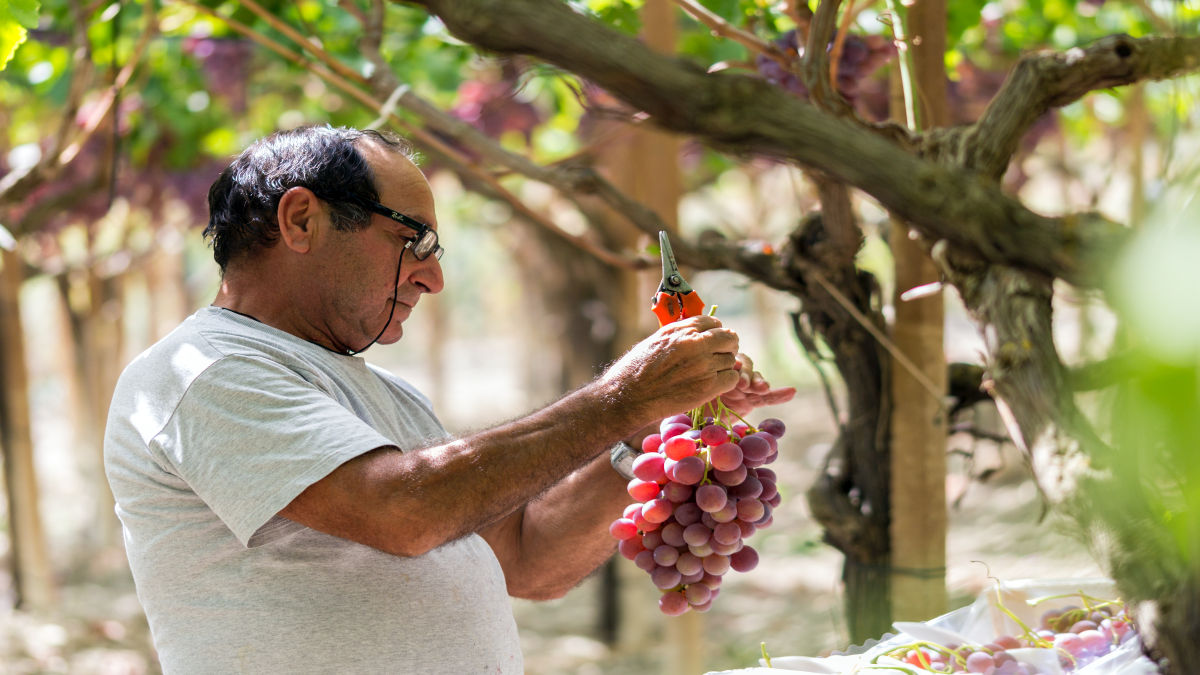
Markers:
point(250, 435)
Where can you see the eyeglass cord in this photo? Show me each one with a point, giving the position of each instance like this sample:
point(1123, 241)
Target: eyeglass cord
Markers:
point(395, 283)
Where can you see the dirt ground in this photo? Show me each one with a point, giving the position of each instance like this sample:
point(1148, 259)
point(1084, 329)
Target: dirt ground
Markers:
point(791, 601)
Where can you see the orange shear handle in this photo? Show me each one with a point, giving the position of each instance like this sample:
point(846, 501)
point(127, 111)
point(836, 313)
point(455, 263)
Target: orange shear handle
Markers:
point(671, 306)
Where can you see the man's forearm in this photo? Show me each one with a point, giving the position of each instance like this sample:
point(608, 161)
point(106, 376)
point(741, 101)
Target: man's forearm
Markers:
point(560, 538)
point(471, 483)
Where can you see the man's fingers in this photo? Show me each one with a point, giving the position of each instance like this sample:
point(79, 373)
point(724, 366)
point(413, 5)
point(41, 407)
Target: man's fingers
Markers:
point(724, 341)
point(751, 380)
point(780, 395)
point(758, 383)
point(699, 324)
point(727, 379)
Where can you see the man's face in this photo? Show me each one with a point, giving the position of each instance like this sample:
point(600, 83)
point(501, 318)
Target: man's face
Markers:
point(360, 270)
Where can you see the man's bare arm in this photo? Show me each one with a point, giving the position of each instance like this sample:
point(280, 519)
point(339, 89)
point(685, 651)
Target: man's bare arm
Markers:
point(407, 503)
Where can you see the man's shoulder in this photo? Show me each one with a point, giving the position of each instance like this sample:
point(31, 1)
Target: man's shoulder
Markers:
point(174, 362)
point(183, 352)
point(211, 334)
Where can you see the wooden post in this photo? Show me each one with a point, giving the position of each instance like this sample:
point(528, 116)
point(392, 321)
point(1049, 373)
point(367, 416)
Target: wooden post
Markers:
point(32, 575)
point(1138, 121)
point(918, 470)
point(645, 165)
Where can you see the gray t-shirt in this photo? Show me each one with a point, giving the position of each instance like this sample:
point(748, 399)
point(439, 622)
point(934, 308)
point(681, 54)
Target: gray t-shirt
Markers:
point(212, 432)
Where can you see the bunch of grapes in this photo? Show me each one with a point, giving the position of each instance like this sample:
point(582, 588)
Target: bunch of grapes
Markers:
point(861, 56)
point(1078, 636)
point(701, 488)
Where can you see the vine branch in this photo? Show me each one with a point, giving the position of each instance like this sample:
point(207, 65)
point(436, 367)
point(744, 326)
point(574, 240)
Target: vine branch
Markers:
point(940, 201)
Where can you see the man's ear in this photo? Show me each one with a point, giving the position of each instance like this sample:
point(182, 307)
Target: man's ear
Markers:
point(298, 215)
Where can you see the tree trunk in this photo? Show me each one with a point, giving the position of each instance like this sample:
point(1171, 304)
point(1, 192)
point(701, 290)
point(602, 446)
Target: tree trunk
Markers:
point(94, 306)
point(1176, 627)
point(850, 498)
point(644, 164)
point(30, 563)
point(918, 514)
point(652, 178)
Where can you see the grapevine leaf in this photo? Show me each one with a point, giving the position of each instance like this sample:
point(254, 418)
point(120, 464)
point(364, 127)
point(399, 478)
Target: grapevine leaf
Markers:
point(620, 14)
point(16, 18)
point(24, 12)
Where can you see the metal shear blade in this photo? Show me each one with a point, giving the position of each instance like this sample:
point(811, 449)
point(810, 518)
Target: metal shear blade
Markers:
point(675, 299)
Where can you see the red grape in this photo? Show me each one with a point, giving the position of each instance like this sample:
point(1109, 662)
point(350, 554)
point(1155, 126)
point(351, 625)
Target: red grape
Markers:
point(672, 430)
point(649, 467)
point(714, 434)
point(979, 662)
point(744, 560)
point(672, 534)
point(688, 563)
point(652, 540)
point(754, 448)
point(697, 534)
point(773, 426)
point(723, 533)
point(665, 578)
point(687, 513)
point(651, 443)
point(698, 594)
point(751, 487)
point(689, 470)
point(731, 478)
point(716, 564)
point(679, 447)
point(711, 498)
point(629, 548)
point(657, 510)
point(673, 603)
point(666, 555)
point(623, 528)
point(642, 490)
point(725, 456)
point(677, 493)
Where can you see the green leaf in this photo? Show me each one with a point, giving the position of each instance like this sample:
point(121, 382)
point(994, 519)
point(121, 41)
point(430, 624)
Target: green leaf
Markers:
point(16, 18)
point(24, 12)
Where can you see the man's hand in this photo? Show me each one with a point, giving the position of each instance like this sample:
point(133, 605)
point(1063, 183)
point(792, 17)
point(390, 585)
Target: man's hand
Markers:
point(680, 366)
point(752, 390)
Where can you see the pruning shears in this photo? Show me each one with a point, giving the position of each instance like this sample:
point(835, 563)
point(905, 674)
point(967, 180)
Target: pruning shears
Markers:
point(675, 299)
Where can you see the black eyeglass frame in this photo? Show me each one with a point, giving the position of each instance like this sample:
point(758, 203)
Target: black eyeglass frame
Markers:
point(424, 244)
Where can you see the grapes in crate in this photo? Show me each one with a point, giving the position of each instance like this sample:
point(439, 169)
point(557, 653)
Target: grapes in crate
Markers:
point(701, 488)
point(1071, 638)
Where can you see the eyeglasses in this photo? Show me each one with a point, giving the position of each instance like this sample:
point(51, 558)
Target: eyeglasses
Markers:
point(424, 244)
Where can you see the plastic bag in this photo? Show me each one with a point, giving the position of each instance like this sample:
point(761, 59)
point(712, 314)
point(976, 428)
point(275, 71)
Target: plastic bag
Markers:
point(980, 623)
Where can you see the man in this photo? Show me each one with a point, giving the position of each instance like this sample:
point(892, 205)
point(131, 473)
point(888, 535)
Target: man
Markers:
point(289, 508)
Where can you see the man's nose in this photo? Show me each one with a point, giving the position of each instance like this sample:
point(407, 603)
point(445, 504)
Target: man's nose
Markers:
point(428, 275)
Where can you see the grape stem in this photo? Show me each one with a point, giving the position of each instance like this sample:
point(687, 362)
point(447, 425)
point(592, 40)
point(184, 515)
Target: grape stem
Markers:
point(765, 655)
point(924, 660)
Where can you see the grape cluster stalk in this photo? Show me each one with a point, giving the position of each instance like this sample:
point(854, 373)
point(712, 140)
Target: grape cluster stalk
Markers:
point(701, 488)
point(1078, 636)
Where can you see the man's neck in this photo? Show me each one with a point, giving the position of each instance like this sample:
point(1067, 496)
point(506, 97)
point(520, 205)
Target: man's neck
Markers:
point(246, 297)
